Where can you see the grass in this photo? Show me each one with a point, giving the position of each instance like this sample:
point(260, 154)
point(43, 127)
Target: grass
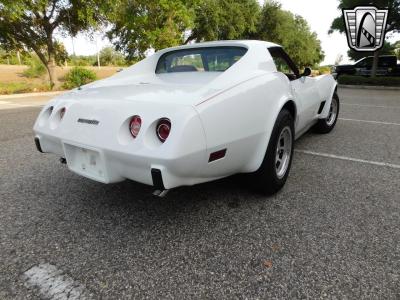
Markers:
point(13, 80)
point(7, 88)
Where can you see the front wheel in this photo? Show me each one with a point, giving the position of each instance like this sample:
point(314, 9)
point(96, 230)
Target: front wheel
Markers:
point(274, 170)
point(326, 125)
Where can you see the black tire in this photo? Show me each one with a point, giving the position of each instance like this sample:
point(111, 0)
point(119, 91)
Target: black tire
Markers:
point(266, 179)
point(326, 125)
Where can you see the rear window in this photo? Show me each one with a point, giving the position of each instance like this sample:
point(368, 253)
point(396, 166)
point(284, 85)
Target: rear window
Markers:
point(211, 59)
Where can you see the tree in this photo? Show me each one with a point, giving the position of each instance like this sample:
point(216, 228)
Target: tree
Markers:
point(140, 25)
point(338, 59)
point(110, 57)
point(137, 26)
point(224, 20)
point(61, 54)
point(387, 49)
point(4, 56)
point(292, 32)
point(13, 56)
point(31, 25)
point(397, 49)
point(393, 22)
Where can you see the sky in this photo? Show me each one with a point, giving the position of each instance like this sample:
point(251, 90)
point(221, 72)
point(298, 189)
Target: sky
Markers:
point(318, 13)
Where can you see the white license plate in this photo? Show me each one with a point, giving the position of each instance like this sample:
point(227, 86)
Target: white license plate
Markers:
point(86, 162)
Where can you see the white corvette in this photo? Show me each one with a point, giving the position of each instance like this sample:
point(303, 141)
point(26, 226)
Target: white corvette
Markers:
point(191, 114)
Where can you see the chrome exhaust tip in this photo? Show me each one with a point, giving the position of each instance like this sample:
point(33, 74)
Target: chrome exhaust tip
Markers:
point(161, 194)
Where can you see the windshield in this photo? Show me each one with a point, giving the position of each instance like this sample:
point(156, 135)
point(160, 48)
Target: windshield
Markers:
point(364, 62)
point(211, 59)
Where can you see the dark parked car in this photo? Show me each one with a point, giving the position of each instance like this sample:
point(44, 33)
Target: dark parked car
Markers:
point(387, 66)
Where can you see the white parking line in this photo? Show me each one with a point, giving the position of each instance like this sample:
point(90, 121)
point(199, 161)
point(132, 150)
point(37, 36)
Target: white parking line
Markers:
point(371, 122)
point(375, 163)
point(53, 284)
point(370, 105)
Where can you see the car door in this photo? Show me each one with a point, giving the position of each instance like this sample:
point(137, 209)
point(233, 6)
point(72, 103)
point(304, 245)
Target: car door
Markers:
point(385, 65)
point(303, 88)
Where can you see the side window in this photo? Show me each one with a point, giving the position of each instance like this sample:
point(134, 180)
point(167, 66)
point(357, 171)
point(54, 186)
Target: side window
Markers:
point(386, 62)
point(365, 63)
point(383, 62)
point(283, 63)
point(360, 64)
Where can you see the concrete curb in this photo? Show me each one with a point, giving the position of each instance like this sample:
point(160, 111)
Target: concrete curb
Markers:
point(13, 96)
point(369, 87)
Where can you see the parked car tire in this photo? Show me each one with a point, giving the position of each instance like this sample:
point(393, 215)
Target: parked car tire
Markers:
point(275, 168)
point(326, 125)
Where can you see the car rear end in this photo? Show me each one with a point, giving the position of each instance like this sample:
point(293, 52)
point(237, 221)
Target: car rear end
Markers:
point(113, 140)
point(143, 124)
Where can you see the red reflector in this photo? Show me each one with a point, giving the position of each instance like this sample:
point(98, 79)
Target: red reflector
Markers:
point(217, 155)
point(134, 126)
point(163, 129)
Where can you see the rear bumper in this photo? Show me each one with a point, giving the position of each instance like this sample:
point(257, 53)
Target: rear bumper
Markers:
point(162, 173)
point(116, 166)
point(106, 151)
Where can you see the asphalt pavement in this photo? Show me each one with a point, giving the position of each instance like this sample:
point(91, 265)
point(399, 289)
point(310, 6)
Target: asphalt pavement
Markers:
point(332, 232)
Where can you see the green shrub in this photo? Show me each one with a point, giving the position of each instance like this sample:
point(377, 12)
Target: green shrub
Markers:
point(35, 68)
point(82, 61)
point(361, 80)
point(78, 76)
point(324, 70)
point(110, 57)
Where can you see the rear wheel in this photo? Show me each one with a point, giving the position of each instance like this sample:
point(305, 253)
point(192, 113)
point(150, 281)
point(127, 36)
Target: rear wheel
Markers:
point(274, 170)
point(326, 125)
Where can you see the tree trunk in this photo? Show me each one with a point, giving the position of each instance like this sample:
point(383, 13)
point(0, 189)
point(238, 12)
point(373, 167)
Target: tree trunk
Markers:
point(19, 57)
point(375, 64)
point(189, 38)
point(51, 68)
point(98, 59)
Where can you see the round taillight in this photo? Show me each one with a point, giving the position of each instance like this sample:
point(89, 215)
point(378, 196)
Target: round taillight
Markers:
point(163, 129)
point(62, 112)
point(134, 126)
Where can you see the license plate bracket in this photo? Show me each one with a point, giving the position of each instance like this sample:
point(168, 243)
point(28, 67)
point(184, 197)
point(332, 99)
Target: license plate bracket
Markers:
point(86, 161)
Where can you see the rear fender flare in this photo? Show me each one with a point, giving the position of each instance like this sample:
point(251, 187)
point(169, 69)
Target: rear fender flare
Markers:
point(255, 163)
point(325, 111)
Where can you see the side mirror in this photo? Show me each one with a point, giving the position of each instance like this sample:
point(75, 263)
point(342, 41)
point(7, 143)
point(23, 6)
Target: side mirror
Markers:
point(307, 72)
